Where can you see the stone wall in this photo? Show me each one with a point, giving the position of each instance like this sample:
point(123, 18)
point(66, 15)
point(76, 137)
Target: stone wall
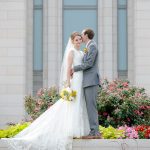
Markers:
point(12, 60)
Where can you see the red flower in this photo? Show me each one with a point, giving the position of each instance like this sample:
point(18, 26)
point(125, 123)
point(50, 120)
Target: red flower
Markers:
point(140, 128)
point(147, 134)
point(105, 113)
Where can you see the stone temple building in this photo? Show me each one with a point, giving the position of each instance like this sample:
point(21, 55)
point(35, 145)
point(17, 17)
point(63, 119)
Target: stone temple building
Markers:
point(34, 33)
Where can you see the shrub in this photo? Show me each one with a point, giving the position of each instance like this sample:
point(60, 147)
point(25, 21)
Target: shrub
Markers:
point(12, 130)
point(120, 104)
point(111, 133)
point(44, 99)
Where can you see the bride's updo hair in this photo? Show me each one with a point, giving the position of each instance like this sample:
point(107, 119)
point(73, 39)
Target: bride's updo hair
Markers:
point(74, 34)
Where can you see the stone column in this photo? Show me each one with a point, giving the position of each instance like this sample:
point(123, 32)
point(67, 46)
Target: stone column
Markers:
point(54, 41)
point(142, 43)
point(107, 38)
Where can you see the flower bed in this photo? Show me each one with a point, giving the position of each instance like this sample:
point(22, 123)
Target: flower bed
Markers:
point(138, 132)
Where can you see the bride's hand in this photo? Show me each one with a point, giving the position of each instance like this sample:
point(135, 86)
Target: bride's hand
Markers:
point(68, 84)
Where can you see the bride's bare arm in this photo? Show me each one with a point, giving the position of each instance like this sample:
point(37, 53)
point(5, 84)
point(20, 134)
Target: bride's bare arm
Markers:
point(69, 67)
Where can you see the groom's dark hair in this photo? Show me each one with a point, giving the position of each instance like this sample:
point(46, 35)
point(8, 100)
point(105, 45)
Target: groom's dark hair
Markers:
point(90, 33)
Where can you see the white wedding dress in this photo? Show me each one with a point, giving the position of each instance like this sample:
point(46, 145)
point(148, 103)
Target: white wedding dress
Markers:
point(55, 128)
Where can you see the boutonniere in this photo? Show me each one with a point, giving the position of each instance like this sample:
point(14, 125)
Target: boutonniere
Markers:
point(85, 50)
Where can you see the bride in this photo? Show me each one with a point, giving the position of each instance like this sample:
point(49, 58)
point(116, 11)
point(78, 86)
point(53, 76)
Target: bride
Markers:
point(56, 127)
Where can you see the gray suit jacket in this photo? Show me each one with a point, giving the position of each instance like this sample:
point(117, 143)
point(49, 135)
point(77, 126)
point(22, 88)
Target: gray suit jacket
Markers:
point(90, 66)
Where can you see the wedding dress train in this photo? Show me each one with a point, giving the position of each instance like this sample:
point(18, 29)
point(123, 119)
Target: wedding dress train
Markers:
point(55, 128)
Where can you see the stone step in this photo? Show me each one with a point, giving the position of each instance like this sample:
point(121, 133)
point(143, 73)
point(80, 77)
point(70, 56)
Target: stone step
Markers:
point(103, 144)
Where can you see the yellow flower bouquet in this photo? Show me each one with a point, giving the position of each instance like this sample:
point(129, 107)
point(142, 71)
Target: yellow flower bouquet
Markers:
point(68, 94)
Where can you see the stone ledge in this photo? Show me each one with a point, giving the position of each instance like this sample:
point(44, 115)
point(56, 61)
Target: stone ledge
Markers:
point(103, 144)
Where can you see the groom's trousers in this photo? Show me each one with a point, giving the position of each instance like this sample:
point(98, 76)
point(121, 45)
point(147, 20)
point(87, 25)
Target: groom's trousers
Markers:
point(90, 98)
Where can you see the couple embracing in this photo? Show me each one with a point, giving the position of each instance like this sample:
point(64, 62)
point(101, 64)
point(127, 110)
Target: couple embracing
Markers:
point(56, 127)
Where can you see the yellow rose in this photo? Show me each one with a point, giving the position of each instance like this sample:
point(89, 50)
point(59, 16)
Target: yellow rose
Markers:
point(73, 93)
point(85, 50)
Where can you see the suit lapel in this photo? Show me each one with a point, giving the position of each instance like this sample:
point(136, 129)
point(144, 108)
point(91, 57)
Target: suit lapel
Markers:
point(89, 43)
point(85, 56)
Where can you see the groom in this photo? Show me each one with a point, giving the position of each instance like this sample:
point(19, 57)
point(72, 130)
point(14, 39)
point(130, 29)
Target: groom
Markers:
point(90, 81)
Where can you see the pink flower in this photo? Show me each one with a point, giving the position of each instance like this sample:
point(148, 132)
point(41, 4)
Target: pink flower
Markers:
point(130, 132)
point(105, 113)
point(39, 102)
point(36, 109)
point(111, 88)
point(128, 119)
point(138, 112)
point(138, 94)
point(39, 92)
point(142, 107)
point(125, 84)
